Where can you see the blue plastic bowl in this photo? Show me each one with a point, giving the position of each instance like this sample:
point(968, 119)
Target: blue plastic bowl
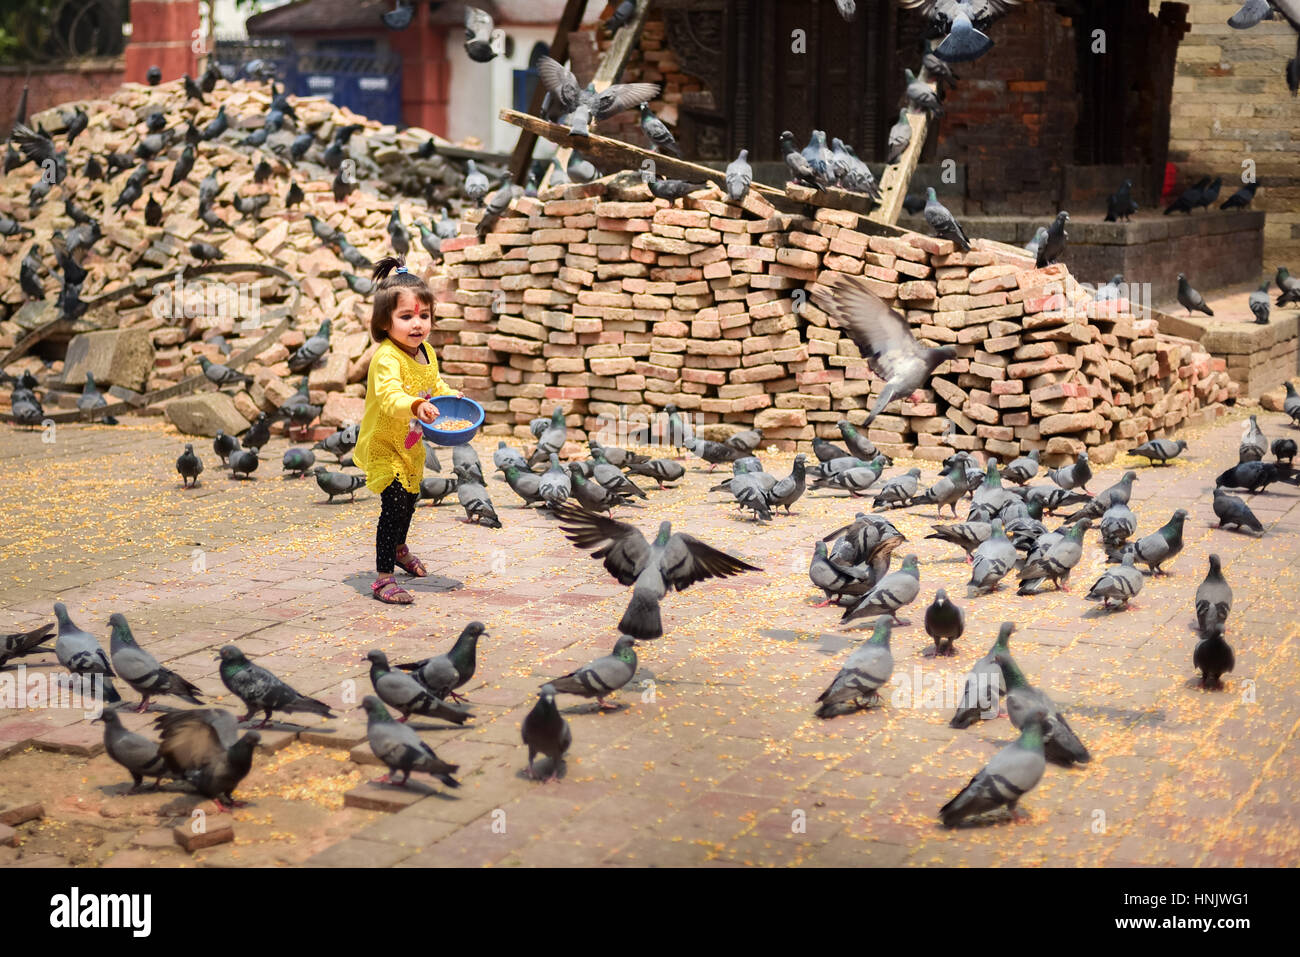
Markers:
point(456, 408)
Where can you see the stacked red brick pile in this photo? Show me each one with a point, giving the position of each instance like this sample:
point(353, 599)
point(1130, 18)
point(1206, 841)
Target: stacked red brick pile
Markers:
point(612, 304)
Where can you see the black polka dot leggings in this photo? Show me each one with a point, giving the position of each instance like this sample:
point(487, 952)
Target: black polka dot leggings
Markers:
point(397, 508)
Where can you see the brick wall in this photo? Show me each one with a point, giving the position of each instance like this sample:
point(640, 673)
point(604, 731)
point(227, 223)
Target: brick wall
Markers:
point(1231, 103)
point(54, 84)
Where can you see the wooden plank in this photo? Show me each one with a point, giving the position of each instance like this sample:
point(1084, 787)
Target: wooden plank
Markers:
point(607, 72)
point(832, 198)
point(522, 156)
point(895, 179)
point(616, 153)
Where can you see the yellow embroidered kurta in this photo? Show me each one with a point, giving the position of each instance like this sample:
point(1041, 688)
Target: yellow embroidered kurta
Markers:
point(395, 384)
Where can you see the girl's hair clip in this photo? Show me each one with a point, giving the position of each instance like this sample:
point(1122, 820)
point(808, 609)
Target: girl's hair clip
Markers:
point(401, 269)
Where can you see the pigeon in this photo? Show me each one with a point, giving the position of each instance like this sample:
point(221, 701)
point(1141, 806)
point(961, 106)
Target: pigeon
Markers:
point(601, 678)
point(81, 654)
point(189, 465)
point(1255, 476)
point(219, 124)
point(835, 579)
point(1160, 450)
point(475, 186)
point(750, 491)
point(343, 185)
point(142, 671)
point(622, 14)
point(1118, 493)
point(259, 433)
point(984, 684)
point(715, 453)
point(399, 690)
point(222, 375)
point(483, 39)
point(262, 691)
point(202, 746)
point(1259, 304)
point(672, 189)
point(1291, 404)
point(1213, 657)
point(1284, 450)
point(1119, 583)
point(546, 731)
point(223, 445)
point(554, 486)
point(1021, 470)
point(22, 643)
point(524, 484)
point(250, 206)
point(1111, 290)
point(1253, 443)
point(671, 560)
point(1117, 524)
point(497, 204)
point(1061, 744)
point(583, 106)
point(948, 490)
point(1288, 285)
point(1241, 198)
point(311, 351)
point(1190, 197)
point(858, 682)
point(1011, 774)
point(1213, 598)
point(801, 171)
point(340, 443)
point(133, 751)
point(1120, 205)
point(430, 241)
point(205, 252)
point(243, 462)
point(944, 224)
point(921, 97)
point(883, 336)
point(153, 213)
point(443, 674)
point(739, 177)
point(661, 140)
point(1040, 237)
point(1161, 545)
point(400, 748)
point(944, 622)
point(900, 137)
point(661, 470)
point(399, 18)
point(1052, 250)
point(338, 483)
point(1210, 194)
point(298, 461)
point(991, 561)
point(889, 595)
point(857, 443)
point(1190, 299)
point(1070, 477)
point(788, 490)
point(300, 145)
point(474, 499)
point(436, 488)
point(153, 75)
point(899, 490)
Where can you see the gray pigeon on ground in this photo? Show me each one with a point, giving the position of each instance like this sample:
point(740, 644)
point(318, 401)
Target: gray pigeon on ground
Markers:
point(992, 561)
point(399, 690)
point(21, 643)
point(298, 461)
point(969, 535)
point(505, 455)
point(133, 751)
point(1259, 303)
point(900, 490)
point(788, 490)
point(1161, 545)
point(1117, 494)
point(474, 499)
point(835, 579)
point(546, 731)
point(858, 682)
point(1061, 744)
point(1020, 471)
point(1010, 775)
point(435, 488)
point(1291, 404)
point(1190, 299)
point(1160, 450)
point(1117, 525)
point(464, 459)
point(984, 686)
point(141, 670)
point(338, 483)
point(1213, 657)
point(1254, 444)
point(671, 560)
point(891, 593)
point(202, 746)
point(81, 654)
point(1230, 510)
point(944, 622)
point(551, 441)
point(400, 748)
point(948, 490)
point(883, 337)
point(189, 466)
point(1118, 583)
point(944, 223)
point(1213, 597)
point(243, 462)
point(1070, 477)
point(554, 485)
point(601, 678)
point(260, 690)
point(443, 674)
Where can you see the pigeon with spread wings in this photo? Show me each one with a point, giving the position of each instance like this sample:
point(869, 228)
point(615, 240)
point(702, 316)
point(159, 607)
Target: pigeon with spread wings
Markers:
point(672, 560)
point(882, 335)
point(582, 106)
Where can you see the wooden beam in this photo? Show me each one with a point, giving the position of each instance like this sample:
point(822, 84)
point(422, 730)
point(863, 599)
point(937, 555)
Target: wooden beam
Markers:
point(570, 20)
point(895, 179)
point(608, 71)
point(616, 153)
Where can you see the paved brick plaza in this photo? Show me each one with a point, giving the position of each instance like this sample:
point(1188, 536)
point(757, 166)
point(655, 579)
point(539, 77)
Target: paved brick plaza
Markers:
point(711, 762)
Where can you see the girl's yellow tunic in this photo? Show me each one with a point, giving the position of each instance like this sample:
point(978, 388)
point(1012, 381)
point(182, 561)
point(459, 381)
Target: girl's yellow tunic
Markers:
point(395, 384)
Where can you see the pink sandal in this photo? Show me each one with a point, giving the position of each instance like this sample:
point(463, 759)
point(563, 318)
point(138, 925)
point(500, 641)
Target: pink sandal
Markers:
point(385, 589)
point(409, 563)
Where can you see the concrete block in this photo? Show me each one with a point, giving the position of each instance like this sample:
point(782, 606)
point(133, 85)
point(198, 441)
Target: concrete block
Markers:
point(204, 414)
point(114, 356)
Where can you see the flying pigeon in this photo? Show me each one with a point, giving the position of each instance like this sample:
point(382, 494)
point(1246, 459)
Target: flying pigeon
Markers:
point(882, 335)
point(583, 106)
point(483, 39)
point(202, 746)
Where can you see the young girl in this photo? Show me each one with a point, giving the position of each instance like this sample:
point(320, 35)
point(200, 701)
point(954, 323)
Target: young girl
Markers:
point(403, 371)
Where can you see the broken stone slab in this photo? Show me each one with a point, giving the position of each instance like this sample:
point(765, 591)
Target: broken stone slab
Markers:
point(386, 797)
point(21, 814)
point(122, 357)
point(209, 837)
point(204, 414)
